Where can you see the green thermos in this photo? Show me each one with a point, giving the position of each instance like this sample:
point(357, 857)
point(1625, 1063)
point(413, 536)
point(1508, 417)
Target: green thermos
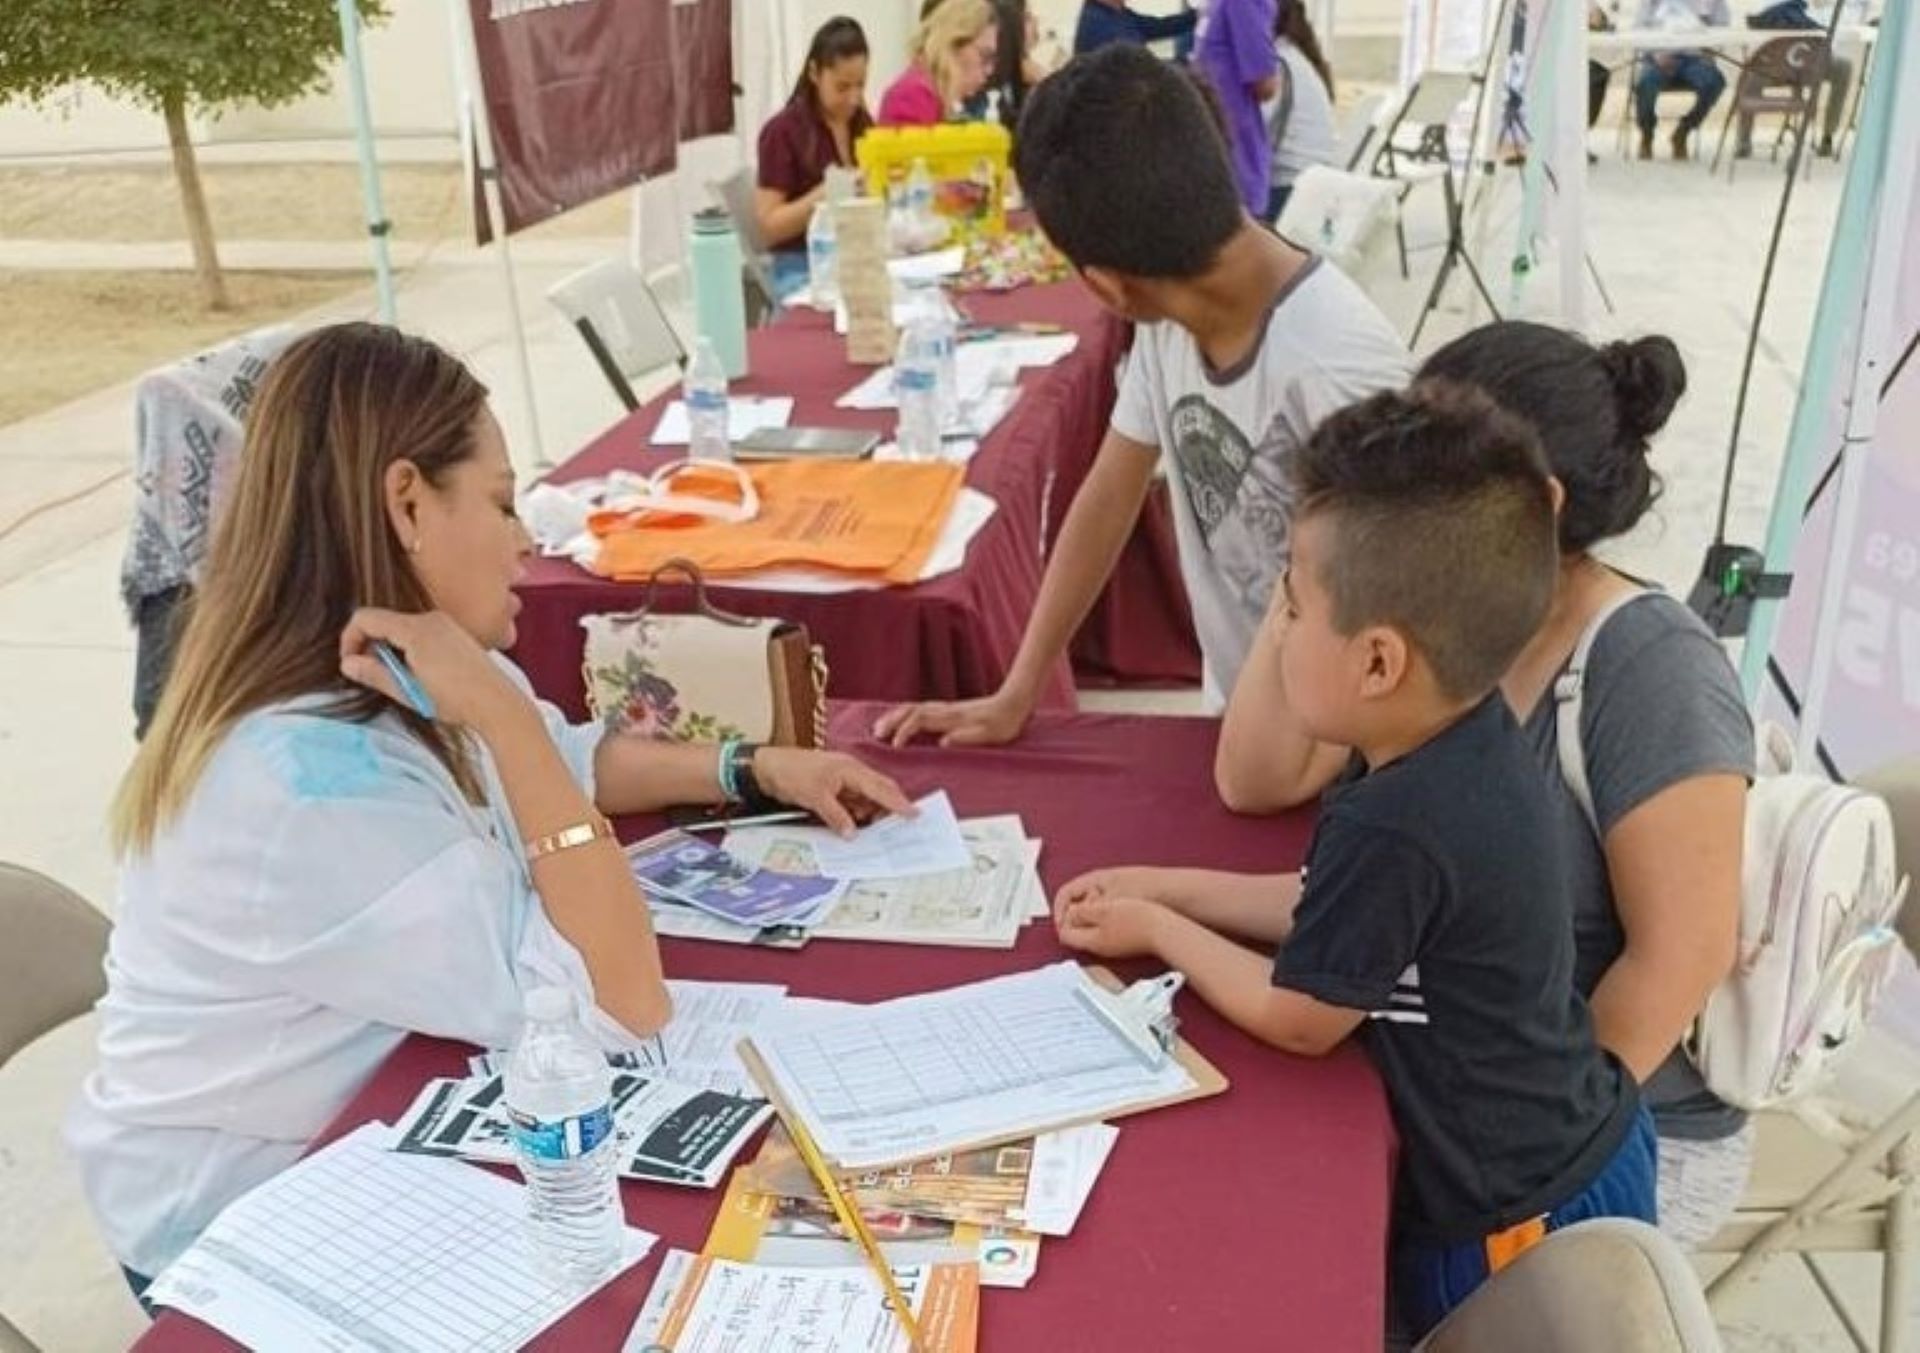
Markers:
point(719, 303)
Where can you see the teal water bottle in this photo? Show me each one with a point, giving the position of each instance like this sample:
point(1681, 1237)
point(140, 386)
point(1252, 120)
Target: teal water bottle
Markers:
point(719, 304)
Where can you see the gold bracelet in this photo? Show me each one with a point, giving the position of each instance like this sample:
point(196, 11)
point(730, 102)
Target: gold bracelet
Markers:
point(596, 828)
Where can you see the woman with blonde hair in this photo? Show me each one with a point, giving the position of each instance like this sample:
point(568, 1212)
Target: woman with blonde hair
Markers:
point(318, 859)
point(952, 58)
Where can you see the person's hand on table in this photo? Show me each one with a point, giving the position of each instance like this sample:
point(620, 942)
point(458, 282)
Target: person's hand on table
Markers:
point(1111, 927)
point(985, 722)
point(840, 791)
point(467, 687)
point(1127, 881)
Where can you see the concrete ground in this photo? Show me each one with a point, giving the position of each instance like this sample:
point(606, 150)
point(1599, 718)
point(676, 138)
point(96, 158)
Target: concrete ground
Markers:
point(1679, 251)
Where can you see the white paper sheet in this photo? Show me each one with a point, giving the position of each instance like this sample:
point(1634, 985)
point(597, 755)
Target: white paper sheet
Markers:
point(746, 415)
point(764, 1308)
point(989, 1061)
point(1066, 1165)
point(356, 1248)
point(917, 269)
point(894, 847)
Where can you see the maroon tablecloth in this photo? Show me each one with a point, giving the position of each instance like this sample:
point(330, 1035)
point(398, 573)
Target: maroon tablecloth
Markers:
point(954, 636)
point(1253, 1220)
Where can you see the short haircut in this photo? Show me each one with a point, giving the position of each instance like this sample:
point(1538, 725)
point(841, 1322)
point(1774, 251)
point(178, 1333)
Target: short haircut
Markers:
point(1126, 167)
point(1441, 526)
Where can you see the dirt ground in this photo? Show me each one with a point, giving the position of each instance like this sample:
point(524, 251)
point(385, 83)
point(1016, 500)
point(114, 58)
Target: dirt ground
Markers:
point(68, 333)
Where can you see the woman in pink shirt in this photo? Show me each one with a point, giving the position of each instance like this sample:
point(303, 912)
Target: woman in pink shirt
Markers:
point(953, 55)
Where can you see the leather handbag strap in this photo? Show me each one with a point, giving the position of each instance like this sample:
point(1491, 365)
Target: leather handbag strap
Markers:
point(702, 605)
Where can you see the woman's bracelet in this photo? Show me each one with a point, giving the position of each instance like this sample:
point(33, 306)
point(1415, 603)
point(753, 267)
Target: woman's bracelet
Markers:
point(596, 828)
point(728, 770)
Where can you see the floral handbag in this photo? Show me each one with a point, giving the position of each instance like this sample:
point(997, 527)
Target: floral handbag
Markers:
point(704, 675)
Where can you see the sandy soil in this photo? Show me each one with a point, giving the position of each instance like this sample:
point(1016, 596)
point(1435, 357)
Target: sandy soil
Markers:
point(69, 333)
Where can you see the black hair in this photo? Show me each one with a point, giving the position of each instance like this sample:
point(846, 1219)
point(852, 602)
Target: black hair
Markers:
point(1126, 168)
point(838, 39)
point(1010, 60)
point(1290, 21)
point(1595, 409)
point(1441, 526)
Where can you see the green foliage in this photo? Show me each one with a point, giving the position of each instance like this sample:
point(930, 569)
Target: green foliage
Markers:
point(198, 53)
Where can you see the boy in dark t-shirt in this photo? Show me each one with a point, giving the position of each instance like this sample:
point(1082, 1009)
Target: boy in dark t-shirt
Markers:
point(1432, 914)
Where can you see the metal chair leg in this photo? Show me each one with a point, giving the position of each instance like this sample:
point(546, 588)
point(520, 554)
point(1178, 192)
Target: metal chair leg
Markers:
point(1902, 1236)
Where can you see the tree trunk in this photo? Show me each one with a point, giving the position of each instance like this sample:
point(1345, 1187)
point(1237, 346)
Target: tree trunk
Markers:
point(186, 172)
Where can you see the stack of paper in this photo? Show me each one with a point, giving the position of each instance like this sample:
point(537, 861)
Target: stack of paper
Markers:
point(981, 903)
point(667, 1132)
point(746, 415)
point(860, 231)
point(683, 869)
point(359, 1248)
point(706, 1305)
point(1039, 1184)
point(979, 1064)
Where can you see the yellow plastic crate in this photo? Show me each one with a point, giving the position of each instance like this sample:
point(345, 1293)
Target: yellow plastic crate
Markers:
point(968, 162)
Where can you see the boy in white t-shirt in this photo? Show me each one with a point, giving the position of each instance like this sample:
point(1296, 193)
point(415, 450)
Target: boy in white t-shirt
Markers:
point(1244, 344)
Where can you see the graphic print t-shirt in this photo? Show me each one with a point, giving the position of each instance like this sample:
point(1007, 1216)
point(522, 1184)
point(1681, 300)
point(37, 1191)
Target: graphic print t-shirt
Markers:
point(1226, 438)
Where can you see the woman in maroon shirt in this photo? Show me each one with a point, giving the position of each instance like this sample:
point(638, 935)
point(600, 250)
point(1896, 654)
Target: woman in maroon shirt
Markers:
point(813, 133)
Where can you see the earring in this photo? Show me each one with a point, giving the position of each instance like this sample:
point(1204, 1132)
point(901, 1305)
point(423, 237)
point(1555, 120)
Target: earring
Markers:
point(414, 546)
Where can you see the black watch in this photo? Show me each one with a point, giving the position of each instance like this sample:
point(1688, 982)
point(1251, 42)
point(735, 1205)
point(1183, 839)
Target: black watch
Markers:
point(746, 785)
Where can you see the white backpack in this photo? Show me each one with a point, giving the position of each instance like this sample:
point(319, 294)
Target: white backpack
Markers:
point(1818, 894)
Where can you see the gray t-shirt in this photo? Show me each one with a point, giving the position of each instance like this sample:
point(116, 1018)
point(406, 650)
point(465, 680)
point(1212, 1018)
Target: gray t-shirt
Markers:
point(1227, 437)
point(1661, 705)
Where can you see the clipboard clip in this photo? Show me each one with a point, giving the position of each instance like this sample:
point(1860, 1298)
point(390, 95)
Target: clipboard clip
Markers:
point(1142, 1014)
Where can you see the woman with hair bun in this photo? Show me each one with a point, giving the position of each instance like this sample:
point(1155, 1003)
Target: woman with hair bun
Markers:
point(1667, 739)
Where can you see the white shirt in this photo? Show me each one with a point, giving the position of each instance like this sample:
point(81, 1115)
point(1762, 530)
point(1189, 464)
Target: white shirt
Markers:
point(326, 890)
point(1226, 438)
point(1308, 138)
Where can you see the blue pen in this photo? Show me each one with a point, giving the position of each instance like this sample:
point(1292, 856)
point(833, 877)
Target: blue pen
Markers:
point(410, 687)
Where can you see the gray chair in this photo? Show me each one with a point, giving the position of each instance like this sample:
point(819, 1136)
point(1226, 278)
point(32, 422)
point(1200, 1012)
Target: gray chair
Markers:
point(735, 194)
point(1606, 1286)
point(622, 322)
point(50, 972)
point(1842, 1187)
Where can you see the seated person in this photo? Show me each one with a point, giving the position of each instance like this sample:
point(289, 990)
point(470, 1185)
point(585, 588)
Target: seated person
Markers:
point(951, 58)
point(1244, 344)
point(1016, 68)
point(814, 132)
point(311, 867)
point(1108, 21)
point(1660, 72)
point(1300, 116)
point(1432, 914)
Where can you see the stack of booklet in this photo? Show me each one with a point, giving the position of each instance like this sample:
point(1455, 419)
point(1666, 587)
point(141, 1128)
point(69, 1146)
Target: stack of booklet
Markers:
point(933, 879)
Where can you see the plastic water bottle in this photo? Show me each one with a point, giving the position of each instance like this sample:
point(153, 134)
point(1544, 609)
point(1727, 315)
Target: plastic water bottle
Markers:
point(944, 335)
point(916, 386)
point(558, 1092)
point(823, 259)
point(920, 195)
point(705, 394)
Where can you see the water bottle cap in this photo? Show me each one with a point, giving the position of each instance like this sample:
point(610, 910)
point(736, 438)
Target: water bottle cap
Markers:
point(712, 221)
point(548, 1004)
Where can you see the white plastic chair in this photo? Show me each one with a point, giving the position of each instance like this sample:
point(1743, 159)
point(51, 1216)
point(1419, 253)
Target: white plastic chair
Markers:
point(1362, 123)
point(1835, 1184)
point(622, 322)
point(1605, 1286)
point(735, 193)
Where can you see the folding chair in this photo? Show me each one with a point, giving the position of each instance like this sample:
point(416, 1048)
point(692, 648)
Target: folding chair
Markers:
point(50, 972)
point(1784, 75)
point(1427, 111)
point(735, 195)
point(1828, 1187)
point(622, 322)
point(1605, 1286)
point(1357, 132)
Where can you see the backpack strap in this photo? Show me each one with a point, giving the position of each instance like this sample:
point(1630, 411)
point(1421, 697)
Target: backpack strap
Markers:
point(1569, 694)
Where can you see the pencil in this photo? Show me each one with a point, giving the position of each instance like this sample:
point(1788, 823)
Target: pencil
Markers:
point(855, 1225)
